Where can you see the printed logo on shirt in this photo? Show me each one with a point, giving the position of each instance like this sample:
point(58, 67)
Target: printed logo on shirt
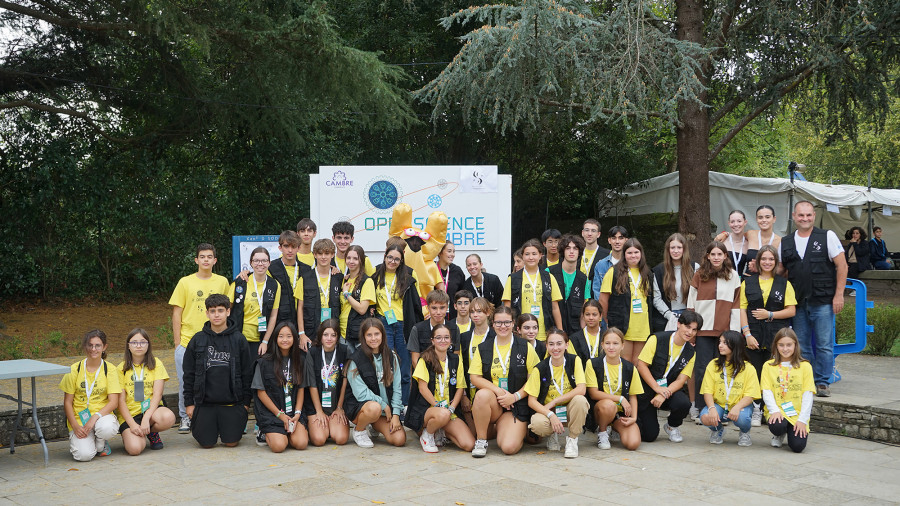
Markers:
point(216, 358)
point(199, 293)
point(520, 359)
point(330, 373)
point(816, 246)
point(777, 295)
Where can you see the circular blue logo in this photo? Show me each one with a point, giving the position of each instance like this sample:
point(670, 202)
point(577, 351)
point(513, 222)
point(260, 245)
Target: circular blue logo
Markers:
point(383, 194)
point(434, 201)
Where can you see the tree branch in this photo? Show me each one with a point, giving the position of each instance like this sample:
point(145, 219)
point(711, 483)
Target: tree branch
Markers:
point(65, 22)
point(583, 107)
point(719, 40)
point(741, 97)
point(759, 110)
point(42, 107)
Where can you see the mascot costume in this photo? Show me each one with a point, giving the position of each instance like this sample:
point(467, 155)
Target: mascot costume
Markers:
point(423, 246)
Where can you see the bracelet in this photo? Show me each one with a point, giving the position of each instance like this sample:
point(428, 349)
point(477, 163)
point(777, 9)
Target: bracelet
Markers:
point(622, 400)
point(452, 409)
point(518, 396)
point(771, 315)
point(745, 327)
point(266, 342)
point(301, 332)
point(551, 413)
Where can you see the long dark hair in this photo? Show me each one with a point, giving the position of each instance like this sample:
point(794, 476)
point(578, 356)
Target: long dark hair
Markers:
point(736, 343)
point(92, 334)
point(273, 353)
point(361, 274)
point(430, 354)
point(387, 355)
point(331, 323)
point(149, 361)
point(403, 278)
point(707, 271)
point(622, 277)
point(671, 286)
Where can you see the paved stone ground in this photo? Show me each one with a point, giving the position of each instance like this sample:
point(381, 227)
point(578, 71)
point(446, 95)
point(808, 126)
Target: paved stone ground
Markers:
point(832, 470)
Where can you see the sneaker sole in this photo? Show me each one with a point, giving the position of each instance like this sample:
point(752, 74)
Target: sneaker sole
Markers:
point(478, 455)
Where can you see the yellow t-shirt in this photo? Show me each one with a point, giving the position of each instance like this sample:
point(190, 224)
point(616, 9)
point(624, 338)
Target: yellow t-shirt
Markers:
point(788, 384)
point(190, 294)
point(649, 350)
point(463, 328)
point(591, 381)
point(638, 323)
point(324, 284)
point(593, 342)
point(534, 298)
point(473, 347)
point(307, 258)
point(367, 293)
point(790, 299)
point(587, 258)
point(552, 262)
point(745, 384)
point(421, 373)
point(290, 269)
point(342, 265)
point(126, 381)
point(387, 299)
point(533, 386)
point(252, 309)
point(496, 369)
point(76, 383)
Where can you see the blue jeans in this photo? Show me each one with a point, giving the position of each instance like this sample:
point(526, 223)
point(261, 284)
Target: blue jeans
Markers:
point(397, 342)
point(743, 421)
point(814, 326)
point(882, 265)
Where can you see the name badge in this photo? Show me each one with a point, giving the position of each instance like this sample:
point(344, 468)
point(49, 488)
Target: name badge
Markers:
point(145, 405)
point(536, 310)
point(561, 413)
point(636, 306)
point(390, 317)
point(84, 415)
point(663, 382)
point(326, 314)
point(139, 391)
point(504, 383)
point(789, 409)
point(326, 399)
point(261, 324)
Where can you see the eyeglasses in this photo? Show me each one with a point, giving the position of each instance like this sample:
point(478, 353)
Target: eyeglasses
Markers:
point(440, 338)
point(260, 261)
point(507, 323)
point(94, 346)
point(139, 344)
point(395, 260)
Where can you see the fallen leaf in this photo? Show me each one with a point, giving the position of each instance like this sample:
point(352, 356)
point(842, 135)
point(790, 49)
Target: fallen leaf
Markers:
point(541, 453)
point(377, 502)
point(273, 465)
point(458, 503)
point(120, 493)
point(72, 469)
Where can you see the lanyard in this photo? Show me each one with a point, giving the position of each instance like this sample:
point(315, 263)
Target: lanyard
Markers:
point(636, 283)
point(134, 373)
point(608, 382)
point(735, 254)
point(327, 286)
point(473, 348)
point(88, 390)
point(444, 278)
point(393, 283)
point(586, 260)
point(672, 359)
point(771, 238)
point(440, 378)
point(327, 372)
point(534, 297)
point(296, 272)
point(787, 378)
point(503, 361)
point(258, 296)
point(592, 349)
point(727, 386)
point(560, 386)
point(477, 292)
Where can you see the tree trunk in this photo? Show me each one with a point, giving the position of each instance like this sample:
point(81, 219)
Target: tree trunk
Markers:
point(692, 142)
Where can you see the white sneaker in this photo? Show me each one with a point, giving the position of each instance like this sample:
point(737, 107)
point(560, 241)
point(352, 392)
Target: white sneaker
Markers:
point(603, 440)
point(777, 441)
point(716, 436)
point(744, 439)
point(480, 449)
point(427, 442)
point(571, 447)
point(756, 417)
point(674, 433)
point(695, 415)
point(362, 439)
point(553, 442)
point(440, 438)
point(185, 426)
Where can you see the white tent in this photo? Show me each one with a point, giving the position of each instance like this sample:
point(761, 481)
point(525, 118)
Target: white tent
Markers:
point(728, 192)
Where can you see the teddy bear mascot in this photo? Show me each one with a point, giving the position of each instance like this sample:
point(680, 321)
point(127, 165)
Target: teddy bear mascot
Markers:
point(423, 245)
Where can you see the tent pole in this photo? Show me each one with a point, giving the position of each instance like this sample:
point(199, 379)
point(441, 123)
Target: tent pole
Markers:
point(869, 203)
point(790, 230)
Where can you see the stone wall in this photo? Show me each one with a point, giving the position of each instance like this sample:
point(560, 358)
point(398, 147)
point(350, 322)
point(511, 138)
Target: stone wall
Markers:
point(865, 422)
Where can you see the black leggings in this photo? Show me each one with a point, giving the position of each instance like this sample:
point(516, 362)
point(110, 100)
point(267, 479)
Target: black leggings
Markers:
point(797, 443)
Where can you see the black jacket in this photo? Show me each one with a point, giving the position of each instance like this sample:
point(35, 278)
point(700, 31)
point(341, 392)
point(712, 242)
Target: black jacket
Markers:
point(232, 346)
point(491, 288)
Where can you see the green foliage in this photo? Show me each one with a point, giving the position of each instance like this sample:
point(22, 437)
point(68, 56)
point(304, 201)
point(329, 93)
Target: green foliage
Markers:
point(56, 339)
point(165, 332)
point(10, 348)
point(885, 318)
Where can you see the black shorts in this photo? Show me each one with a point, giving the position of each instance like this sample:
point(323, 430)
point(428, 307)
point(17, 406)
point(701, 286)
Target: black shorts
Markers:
point(212, 422)
point(137, 420)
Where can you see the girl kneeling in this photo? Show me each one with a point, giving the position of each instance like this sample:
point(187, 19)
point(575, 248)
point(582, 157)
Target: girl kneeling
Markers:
point(327, 383)
point(614, 383)
point(788, 389)
point(279, 394)
point(729, 387)
point(142, 377)
point(441, 385)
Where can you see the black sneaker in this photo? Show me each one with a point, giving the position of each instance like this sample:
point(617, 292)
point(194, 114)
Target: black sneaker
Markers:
point(155, 441)
point(261, 439)
point(823, 391)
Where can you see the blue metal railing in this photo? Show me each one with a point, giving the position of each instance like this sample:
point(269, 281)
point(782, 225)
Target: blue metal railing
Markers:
point(862, 327)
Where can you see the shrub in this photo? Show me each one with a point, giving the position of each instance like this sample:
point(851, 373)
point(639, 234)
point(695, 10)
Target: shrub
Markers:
point(886, 321)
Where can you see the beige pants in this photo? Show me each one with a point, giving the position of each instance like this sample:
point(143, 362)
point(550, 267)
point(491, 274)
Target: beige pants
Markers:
point(576, 412)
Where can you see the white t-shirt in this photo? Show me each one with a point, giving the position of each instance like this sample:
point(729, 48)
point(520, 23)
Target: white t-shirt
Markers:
point(834, 245)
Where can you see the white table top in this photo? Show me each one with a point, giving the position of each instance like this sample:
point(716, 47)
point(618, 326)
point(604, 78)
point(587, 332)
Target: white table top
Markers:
point(27, 368)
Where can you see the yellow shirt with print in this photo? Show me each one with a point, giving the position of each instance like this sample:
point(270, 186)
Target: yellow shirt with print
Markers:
point(638, 323)
point(790, 298)
point(533, 386)
point(387, 299)
point(324, 284)
point(127, 379)
point(75, 382)
point(367, 293)
point(190, 294)
point(496, 369)
point(473, 348)
point(421, 373)
point(534, 298)
point(587, 258)
point(649, 350)
point(591, 380)
point(463, 328)
point(342, 265)
point(307, 258)
point(745, 384)
point(291, 272)
point(252, 309)
point(593, 343)
point(788, 384)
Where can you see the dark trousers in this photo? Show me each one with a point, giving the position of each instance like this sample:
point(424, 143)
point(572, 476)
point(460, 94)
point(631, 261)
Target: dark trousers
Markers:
point(706, 349)
point(678, 404)
point(783, 427)
point(758, 358)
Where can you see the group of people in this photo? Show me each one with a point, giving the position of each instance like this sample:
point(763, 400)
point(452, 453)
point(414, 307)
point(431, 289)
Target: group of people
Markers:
point(864, 255)
point(578, 338)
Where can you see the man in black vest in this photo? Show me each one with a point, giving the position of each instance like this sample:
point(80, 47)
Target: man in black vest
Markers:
point(816, 267)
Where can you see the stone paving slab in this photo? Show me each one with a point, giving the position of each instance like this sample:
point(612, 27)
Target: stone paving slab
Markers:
point(833, 470)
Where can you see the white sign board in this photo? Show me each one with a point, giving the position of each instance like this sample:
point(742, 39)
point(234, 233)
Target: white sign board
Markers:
point(476, 200)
